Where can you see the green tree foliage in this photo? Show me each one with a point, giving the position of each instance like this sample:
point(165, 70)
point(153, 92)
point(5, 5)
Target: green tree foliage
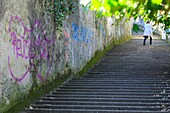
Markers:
point(135, 28)
point(155, 10)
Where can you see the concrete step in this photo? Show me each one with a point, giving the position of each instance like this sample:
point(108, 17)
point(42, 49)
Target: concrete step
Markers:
point(112, 93)
point(108, 96)
point(151, 104)
point(112, 86)
point(114, 90)
point(118, 80)
point(91, 111)
point(99, 107)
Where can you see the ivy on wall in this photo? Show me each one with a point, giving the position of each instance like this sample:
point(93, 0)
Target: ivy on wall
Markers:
point(60, 9)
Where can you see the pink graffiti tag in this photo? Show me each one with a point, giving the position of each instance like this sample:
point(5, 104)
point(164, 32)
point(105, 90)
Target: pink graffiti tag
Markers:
point(30, 47)
point(67, 36)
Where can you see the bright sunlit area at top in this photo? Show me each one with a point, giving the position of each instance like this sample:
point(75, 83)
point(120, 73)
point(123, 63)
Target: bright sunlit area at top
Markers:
point(84, 2)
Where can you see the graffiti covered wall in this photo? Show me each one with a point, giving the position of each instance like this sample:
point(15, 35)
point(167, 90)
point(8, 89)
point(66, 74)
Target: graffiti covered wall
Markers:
point(32, 51)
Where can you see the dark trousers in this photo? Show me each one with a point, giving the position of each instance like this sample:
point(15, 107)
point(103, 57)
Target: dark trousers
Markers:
point(145, 38)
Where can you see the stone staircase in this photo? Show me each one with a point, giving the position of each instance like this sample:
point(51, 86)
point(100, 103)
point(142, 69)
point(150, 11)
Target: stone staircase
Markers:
point(130, 78)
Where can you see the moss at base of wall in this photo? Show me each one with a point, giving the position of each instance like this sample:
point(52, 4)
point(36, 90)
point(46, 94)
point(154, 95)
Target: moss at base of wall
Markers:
point(99, 54)
point(35, 93)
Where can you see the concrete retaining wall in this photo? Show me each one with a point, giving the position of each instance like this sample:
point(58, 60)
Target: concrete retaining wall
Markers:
point(32, 51)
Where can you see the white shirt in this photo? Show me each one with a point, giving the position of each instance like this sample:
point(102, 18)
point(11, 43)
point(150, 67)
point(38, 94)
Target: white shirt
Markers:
point(147, 30)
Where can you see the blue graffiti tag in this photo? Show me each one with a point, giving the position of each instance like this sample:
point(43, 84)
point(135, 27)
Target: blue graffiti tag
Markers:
point(82, 34)
point(102, 30)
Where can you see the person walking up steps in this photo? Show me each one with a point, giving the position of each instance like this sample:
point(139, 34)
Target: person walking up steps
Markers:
point(147, 32)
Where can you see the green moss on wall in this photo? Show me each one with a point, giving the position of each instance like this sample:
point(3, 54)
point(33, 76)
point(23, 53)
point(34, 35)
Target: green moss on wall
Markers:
point(34, 94)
